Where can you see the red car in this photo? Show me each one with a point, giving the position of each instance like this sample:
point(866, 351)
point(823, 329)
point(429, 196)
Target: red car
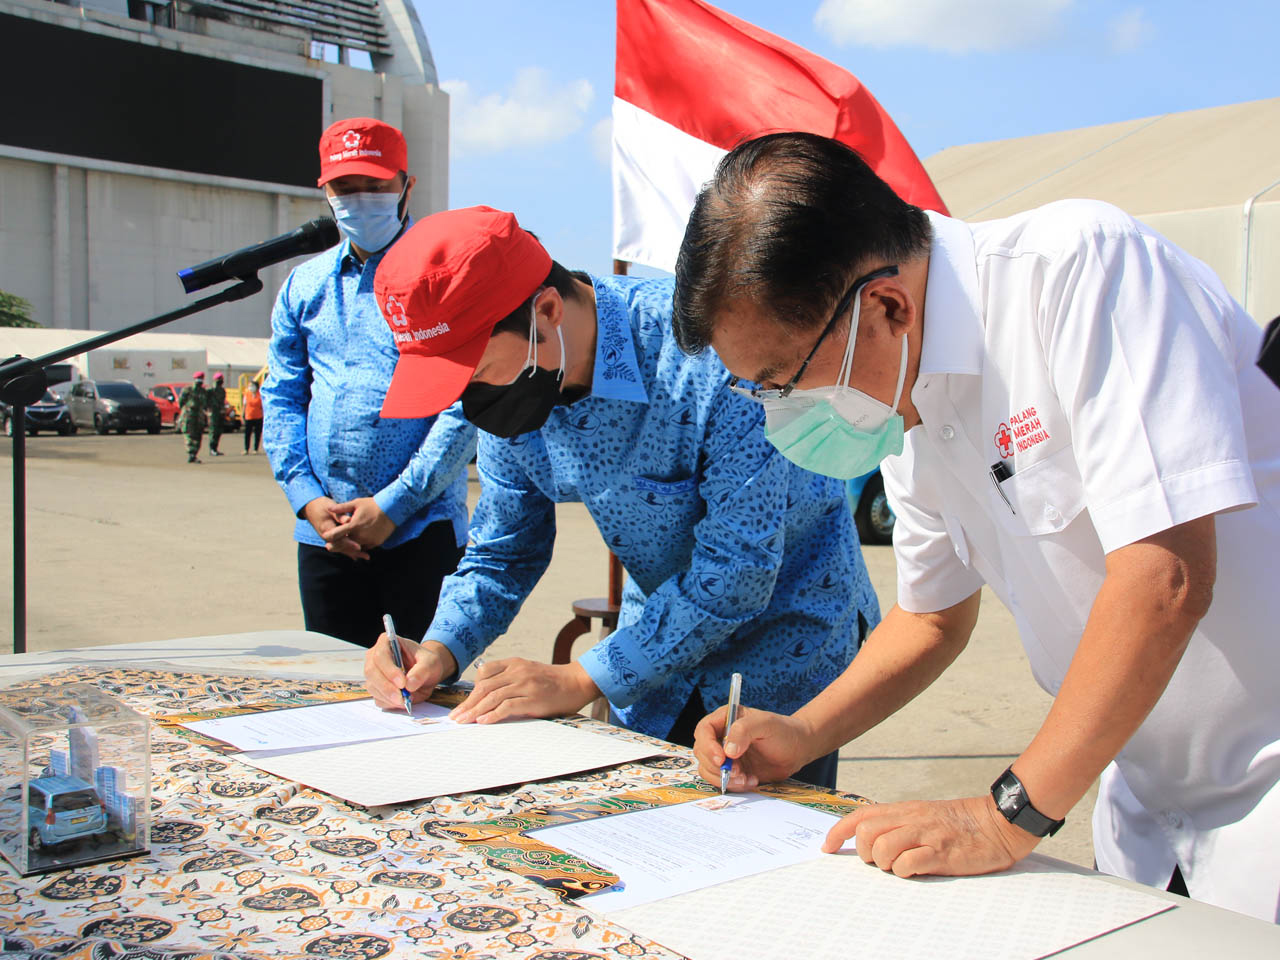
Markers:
point(166, 397)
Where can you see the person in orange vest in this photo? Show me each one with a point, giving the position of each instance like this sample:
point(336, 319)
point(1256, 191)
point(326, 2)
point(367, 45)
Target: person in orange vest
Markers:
point(251, 414)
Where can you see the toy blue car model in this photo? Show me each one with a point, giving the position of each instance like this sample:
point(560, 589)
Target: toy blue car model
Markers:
point(871, 510)
point(62, 809)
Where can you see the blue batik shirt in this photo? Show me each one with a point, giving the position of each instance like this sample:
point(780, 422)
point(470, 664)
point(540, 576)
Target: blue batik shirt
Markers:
point(331, 358)
point(736, 558)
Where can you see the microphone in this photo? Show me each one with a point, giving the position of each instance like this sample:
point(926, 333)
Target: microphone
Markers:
point(312, 237)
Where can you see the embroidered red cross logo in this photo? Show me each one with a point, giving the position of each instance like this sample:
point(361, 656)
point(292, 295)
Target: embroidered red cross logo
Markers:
point(1004, 440)
point(396, 313)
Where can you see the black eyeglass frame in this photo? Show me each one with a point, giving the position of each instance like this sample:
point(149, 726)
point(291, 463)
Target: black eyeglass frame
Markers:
point(890, 271)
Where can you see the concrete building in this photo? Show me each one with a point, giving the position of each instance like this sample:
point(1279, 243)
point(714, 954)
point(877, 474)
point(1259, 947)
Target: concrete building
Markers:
point(144, 136)
point(1209, 180)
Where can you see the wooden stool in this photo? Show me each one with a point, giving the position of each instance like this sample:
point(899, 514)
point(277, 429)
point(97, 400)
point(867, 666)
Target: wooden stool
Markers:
point(604, 609)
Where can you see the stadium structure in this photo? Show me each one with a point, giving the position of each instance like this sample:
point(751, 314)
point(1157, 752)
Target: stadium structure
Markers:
point(138, 137)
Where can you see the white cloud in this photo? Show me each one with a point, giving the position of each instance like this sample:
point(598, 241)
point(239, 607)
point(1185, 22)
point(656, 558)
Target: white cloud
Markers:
point(1129, 31)
point(533, 111)
point(602, 140)
point(953, 26)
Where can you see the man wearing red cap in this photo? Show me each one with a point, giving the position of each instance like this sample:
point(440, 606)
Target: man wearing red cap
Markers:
point(736, 559)
point(381, 504)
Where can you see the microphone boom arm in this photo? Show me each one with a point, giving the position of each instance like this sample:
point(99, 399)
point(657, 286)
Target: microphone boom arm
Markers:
point(23, 382)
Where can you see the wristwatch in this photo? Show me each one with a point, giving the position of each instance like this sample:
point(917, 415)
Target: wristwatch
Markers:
point(1012, 800)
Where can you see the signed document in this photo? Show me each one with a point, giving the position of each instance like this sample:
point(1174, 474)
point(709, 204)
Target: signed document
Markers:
point(675, 849)
point(350, 721)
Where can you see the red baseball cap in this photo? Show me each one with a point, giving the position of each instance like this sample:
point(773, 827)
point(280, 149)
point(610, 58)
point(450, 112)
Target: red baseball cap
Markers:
point(362, 145)
point(442, 288)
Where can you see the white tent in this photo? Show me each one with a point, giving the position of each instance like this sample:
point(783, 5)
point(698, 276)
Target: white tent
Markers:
point(187, 352)
point(1209, 180)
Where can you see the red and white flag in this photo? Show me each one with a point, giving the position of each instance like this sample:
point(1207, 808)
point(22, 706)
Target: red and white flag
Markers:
point(691, 83)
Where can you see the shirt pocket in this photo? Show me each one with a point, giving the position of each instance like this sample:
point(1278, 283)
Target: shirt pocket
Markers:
point(1041, 498)
point(670, 505)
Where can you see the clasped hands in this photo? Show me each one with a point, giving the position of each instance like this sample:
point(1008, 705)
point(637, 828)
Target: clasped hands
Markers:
point(963, 837)
point(504, 689)
point(352, 528)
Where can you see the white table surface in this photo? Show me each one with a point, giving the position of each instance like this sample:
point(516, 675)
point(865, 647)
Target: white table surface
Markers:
point(1192, 930)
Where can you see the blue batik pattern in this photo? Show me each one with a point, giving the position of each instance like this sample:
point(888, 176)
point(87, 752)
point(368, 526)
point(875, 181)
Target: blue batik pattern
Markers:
point(736, 558)
point(330, 359)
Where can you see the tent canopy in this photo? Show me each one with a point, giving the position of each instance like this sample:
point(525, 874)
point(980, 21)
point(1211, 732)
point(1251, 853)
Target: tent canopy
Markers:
point(1208, 179)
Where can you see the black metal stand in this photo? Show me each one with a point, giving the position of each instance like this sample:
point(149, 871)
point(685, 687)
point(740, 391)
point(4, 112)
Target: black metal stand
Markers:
point(23, 382)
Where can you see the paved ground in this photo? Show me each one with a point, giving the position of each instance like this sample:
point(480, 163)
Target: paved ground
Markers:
point(126, 541)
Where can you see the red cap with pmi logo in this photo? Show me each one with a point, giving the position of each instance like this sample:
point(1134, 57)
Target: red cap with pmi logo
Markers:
point(364, 146)
point(442, 288)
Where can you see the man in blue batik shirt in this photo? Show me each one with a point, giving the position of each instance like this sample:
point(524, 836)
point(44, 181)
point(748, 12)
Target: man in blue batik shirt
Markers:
point(736, 559)
point(381, 504)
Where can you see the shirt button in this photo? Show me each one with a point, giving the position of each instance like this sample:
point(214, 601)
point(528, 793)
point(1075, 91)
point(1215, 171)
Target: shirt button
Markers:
point(1051, 514)
point(946, 432)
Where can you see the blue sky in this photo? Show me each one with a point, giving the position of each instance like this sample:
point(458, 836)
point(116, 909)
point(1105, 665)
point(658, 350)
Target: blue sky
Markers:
point(532, 83)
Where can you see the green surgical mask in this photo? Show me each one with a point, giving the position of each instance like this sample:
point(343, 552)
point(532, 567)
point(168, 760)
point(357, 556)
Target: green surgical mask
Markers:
point(837, 431)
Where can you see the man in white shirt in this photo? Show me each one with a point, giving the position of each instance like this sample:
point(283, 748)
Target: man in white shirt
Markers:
point(1071, 414)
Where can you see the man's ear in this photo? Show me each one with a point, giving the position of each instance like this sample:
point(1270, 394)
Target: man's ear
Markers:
point(896, 302)
point(549, 308)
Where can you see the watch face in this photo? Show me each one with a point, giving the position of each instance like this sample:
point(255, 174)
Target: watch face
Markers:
point(1010, 795)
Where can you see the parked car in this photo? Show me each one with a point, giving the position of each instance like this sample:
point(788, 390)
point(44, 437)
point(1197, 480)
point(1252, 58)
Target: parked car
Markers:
point(871, 510)
point(62, 809)
point(166, 396)
point(49, 413)
point(112, 405)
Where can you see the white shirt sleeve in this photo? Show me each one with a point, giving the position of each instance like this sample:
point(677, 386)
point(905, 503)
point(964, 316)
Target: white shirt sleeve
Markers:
point(931, 575)
point(1137, 336)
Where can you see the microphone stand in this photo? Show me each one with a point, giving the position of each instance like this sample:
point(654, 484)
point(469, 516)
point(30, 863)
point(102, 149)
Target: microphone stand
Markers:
point(23, 382)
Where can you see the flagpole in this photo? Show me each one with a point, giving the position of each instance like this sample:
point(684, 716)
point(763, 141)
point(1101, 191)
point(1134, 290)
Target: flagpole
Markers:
point(615, 565)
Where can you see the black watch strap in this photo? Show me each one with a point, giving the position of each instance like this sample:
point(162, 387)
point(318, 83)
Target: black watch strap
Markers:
point(1012, 801)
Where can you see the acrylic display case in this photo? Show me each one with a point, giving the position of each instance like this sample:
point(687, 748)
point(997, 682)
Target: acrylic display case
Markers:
point(75, 777)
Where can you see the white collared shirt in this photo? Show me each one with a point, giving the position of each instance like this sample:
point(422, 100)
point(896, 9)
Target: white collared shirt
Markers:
point(1113, 377)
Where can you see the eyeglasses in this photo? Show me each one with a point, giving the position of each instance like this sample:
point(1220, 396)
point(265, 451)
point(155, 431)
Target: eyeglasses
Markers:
point(756, 393)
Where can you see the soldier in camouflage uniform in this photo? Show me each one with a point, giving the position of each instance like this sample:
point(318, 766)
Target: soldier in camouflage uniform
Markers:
point(191, 413)
point(216, 403)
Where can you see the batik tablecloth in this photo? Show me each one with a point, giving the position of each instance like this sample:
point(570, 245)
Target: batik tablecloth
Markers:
point(244, 864)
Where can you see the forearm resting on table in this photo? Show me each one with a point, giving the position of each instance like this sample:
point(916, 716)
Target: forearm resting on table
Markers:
point(1154, 593)
point(903, 656)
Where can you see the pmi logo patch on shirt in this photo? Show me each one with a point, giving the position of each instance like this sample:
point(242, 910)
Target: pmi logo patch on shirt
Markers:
point(1022, 431)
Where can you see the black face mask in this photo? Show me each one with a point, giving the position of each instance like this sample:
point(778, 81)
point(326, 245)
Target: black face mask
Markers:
point(510, 409)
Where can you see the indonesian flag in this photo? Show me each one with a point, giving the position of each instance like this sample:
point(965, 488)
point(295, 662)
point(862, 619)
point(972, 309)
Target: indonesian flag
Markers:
point(692, 82)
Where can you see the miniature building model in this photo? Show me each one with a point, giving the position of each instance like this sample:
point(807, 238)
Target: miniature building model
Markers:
point(75, 777)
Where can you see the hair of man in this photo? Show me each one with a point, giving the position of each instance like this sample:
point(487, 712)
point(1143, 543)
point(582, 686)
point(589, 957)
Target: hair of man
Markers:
point(517, 321)
point(786, 223)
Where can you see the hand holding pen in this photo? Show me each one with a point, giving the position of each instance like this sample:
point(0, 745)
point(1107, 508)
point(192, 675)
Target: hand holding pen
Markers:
point(398, 656)
point(735, 701)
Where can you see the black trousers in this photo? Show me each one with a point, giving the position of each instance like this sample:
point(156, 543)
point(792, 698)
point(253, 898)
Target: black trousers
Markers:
point(252, 428)
point(346, 598)
point(821, 772)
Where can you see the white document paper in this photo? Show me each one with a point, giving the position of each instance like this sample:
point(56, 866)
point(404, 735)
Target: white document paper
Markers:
point(327, 724)
point(461, 758)
point(836, 907)
point(669, 850)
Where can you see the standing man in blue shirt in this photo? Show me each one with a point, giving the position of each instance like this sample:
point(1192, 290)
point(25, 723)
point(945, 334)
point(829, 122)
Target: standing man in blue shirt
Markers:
point(736, 559)
point(381, 504)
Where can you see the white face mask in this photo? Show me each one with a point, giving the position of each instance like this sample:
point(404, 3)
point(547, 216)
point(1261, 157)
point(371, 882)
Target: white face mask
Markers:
point(836, 430)
point(370, 220)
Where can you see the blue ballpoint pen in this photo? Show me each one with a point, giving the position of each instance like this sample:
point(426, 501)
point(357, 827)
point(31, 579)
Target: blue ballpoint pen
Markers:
point(398, 657)
point(735, 699)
